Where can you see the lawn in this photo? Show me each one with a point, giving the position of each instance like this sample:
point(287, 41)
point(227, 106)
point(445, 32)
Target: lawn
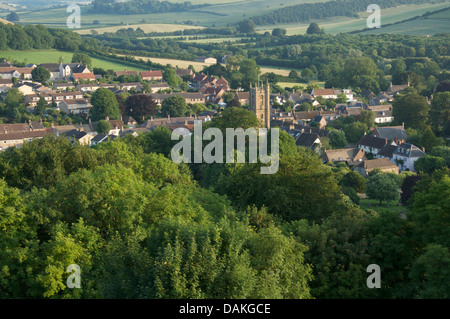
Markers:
point(52, 56)
point(366, 203)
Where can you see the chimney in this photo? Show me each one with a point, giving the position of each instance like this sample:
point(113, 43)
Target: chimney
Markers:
point(107, 118)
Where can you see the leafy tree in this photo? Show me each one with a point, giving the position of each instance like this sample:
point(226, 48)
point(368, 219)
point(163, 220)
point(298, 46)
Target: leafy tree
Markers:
point(250, 71)
point(314, 29)
point(337, 274)
point(440, 110)
point(293, 74)
point(235, 117)
point(104, 104)
point(246, 26)
point(398, 66)
point(410, 108)
point(367, 117)
point(13, 17)
point(40, 74)
point(352, 194)
point(158, 141)
point(428, 164)
point(43, 162)
point(354, 131)
point(429, 139)
point(161, 171)
point(337, 139)
point(103, 127)
point(430, 273)
point(171, 77)
point(39, 110)
point(408, 188)
point(174, 106)
point(13, 103)
point(382, 187)
point(442, 151)
point(307, 73)
point(429, 212)
point(83, 59)
point(121, 209)
point(279, 32)
point(354, 180)
point(298, 174)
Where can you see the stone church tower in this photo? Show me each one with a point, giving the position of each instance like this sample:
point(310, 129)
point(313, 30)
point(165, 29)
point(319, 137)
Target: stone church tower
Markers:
point(259, 102)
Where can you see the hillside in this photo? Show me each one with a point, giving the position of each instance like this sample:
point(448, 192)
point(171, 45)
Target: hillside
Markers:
point(424, 25)
point(5, 21)
point(221, 13)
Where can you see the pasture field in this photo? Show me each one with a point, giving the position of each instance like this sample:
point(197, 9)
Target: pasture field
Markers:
point(436, 23)
point(52, 56)
point(218, 14)
point(213, 40)
point(146, 27)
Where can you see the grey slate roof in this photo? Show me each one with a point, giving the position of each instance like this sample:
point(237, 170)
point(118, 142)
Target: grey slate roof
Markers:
point(408, 150)
point(306, 140)
point(372, 141)
point(391, 132)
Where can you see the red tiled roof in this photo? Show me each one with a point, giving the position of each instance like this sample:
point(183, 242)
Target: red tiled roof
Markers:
point(84, 76)
point(147, 74)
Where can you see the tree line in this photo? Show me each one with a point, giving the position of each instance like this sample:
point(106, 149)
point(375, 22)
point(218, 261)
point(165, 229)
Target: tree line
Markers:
point(16, 37)
point(141, 6)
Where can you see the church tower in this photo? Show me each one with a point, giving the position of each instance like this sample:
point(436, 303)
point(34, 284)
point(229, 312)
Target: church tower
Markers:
point(259, 101)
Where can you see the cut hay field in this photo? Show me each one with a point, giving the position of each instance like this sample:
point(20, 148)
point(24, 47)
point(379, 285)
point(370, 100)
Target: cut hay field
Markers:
point(5, 21)
point(198, 66)
point(52, 56)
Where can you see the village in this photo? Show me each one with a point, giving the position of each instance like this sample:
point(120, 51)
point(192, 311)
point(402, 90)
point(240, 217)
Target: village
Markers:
point(71, 85)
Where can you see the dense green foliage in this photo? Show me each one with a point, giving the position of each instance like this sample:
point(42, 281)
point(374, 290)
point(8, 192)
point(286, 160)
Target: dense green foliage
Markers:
point(141, 226)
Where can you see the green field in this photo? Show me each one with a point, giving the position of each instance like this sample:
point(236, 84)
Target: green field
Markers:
point(52, 56)
point(436, 23)
point(213, 40)
point(231, 11)
point(344, 24)
point(219, 14)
